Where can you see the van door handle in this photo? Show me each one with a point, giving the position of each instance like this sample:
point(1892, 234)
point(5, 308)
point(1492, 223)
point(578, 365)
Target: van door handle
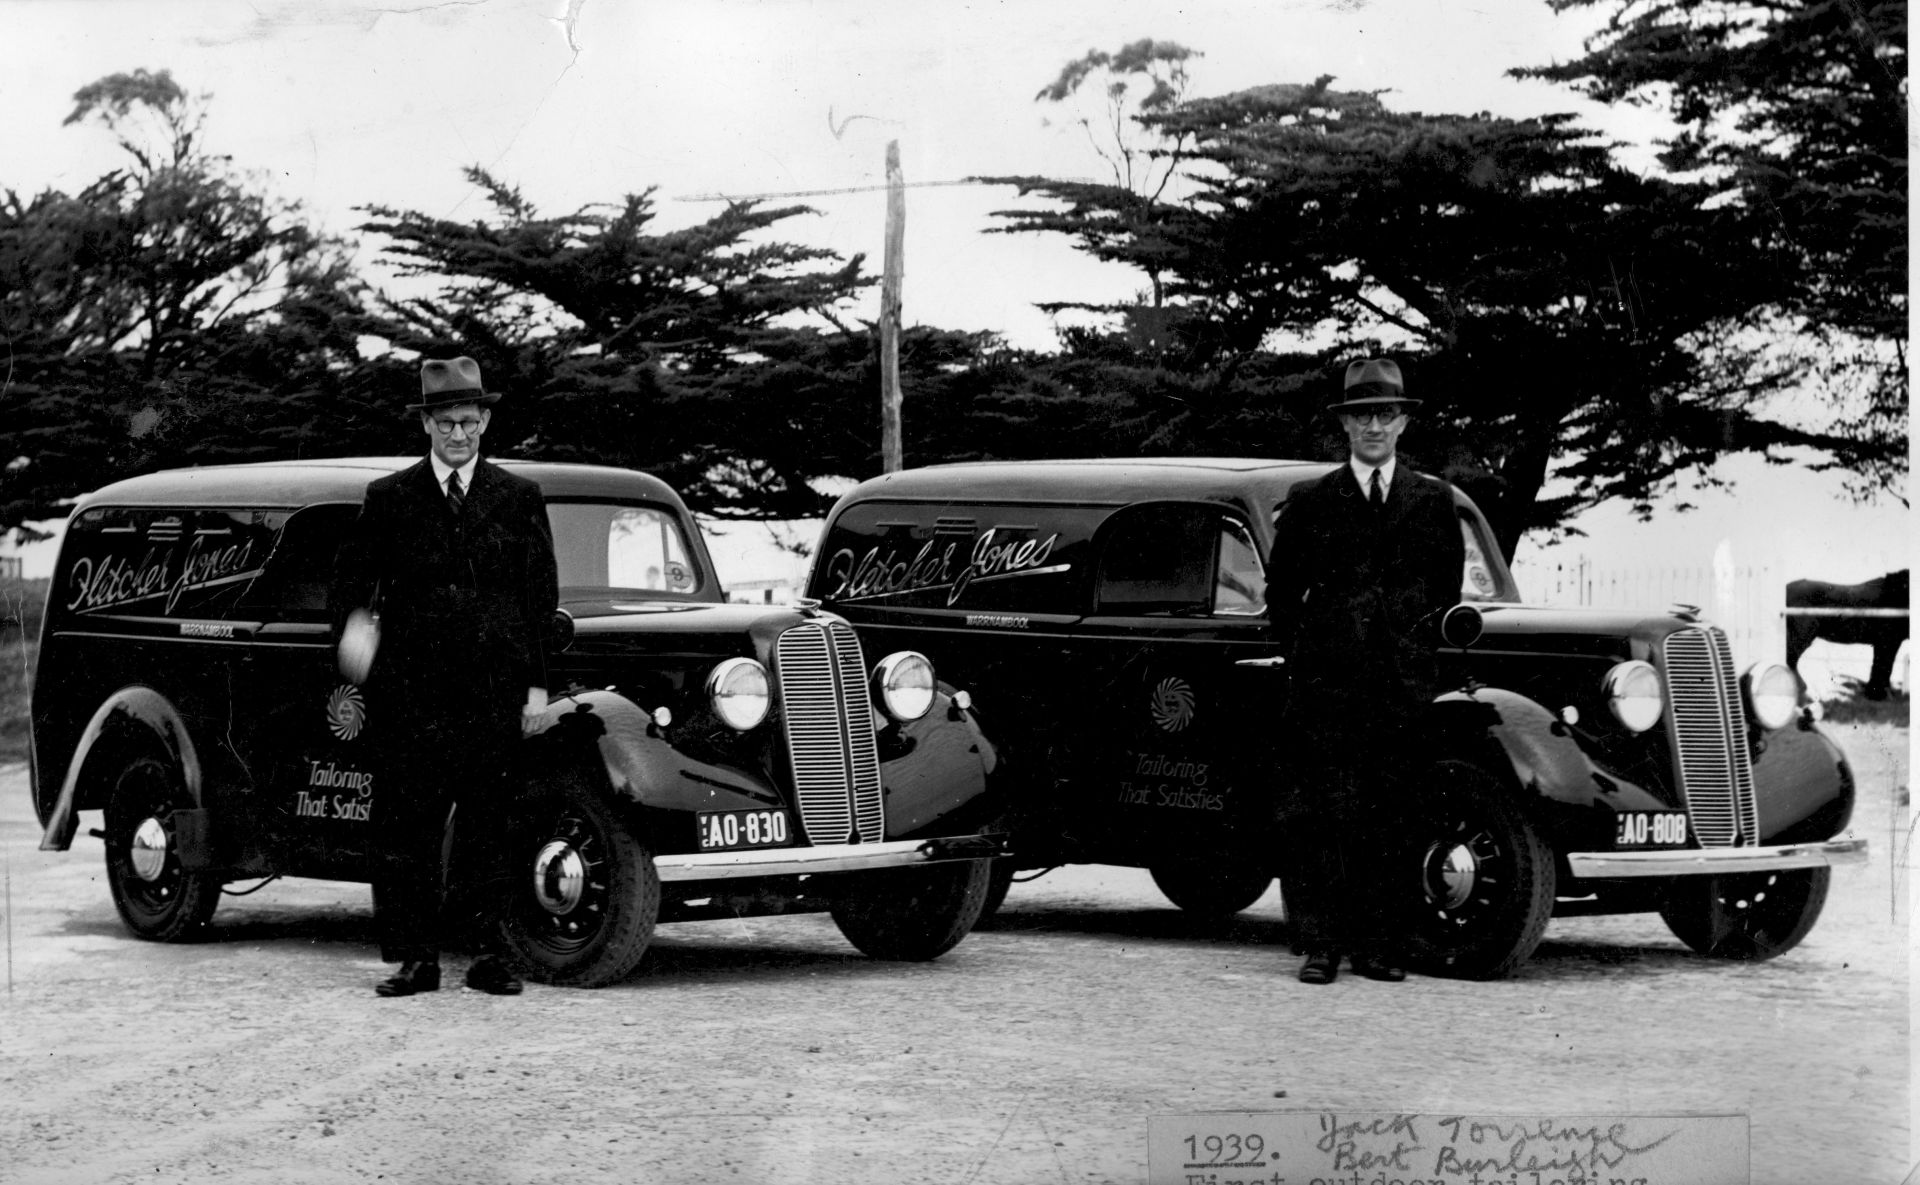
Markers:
point(1275, 661)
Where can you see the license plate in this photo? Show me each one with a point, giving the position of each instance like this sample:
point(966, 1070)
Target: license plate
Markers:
point(743, 829)
point(1650, 829)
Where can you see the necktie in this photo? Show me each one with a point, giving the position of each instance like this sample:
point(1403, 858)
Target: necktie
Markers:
point(1375, 494)
point(455, 498)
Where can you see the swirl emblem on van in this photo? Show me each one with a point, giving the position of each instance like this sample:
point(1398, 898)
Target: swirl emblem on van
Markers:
point(1173, 704)
point(346, 711)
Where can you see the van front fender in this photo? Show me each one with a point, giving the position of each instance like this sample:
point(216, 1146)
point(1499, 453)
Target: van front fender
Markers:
point(1542, 752)
point(641, 763)
point(134, 714)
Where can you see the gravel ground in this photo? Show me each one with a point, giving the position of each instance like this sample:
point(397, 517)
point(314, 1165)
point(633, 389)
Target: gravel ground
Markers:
point(768, 1051)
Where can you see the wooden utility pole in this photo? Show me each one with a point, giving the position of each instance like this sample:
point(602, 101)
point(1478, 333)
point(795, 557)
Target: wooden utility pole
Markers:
point(890, 461)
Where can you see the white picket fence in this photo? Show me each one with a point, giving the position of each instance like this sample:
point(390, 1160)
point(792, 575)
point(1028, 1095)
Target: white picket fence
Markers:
point(1746, 601)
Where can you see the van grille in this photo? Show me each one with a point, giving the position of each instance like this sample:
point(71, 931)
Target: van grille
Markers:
point(836, 766)
point(1710, 739)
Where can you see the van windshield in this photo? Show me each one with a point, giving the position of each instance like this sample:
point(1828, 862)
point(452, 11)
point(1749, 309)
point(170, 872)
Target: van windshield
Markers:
point(623, 551)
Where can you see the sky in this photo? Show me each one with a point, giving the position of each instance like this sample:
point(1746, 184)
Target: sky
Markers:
point(342, 105)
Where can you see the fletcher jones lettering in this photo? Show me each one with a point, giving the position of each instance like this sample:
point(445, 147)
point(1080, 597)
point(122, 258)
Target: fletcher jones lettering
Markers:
point(884, 573)
point(112, 581)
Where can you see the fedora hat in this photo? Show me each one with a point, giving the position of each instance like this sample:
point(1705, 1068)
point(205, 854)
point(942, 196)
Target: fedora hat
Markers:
point(448, 381)
point(1373, 380)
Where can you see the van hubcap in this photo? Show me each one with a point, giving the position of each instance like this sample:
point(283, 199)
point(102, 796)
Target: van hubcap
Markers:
point(1452, 872)
point(559, 877)
point(147, 852)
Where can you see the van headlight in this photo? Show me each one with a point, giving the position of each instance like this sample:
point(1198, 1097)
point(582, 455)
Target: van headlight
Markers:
point(738, 689)
point(1772, 693)
point(903, 683)
point(1633, 693)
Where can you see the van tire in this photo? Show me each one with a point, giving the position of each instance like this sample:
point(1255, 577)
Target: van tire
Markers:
point(999, 880)
point(1749, 916)
point(1486, 879)
point(157, 899)
point(1209, 891)
point(911, 914)
point(584, 893)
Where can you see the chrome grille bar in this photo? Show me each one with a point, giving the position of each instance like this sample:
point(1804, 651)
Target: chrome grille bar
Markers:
point(863, 753)
point(836, 765)
point(1709, 738)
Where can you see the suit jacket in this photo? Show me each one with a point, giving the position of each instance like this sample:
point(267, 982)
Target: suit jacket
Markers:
point(1354, 591)
point(465, 600)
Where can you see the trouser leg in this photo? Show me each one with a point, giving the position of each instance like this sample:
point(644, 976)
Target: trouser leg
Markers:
point(1313, 883)
point(1383, 874)
point(486, 823)
point(410, 883)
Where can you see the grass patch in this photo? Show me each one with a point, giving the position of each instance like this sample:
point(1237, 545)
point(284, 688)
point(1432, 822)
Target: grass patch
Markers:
point(1852, 707)
point(21, 603)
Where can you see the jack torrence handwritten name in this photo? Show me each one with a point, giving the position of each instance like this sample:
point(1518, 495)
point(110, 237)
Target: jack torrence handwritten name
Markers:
point(1331, 1148)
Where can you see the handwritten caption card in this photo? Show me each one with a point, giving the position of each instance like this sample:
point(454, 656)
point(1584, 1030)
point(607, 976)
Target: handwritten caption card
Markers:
point(1383, 1148)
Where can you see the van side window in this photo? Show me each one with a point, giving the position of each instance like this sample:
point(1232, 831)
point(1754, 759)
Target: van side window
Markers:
point(1239, 583)
point(1158, 559)
point(294, 587)
point(1477, 581)
point(629, 551)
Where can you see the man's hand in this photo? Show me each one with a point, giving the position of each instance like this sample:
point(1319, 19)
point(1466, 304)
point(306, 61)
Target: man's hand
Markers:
point(534, 711)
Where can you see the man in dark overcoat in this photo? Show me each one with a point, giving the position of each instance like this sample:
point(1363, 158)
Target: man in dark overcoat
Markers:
point(456, 556)
point(1365, 559)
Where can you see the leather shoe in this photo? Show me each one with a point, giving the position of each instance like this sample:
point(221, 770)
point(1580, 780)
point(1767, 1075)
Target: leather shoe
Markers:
point(494, 975)
point(1384, 970)
point(415, 976)
point(1320, 967)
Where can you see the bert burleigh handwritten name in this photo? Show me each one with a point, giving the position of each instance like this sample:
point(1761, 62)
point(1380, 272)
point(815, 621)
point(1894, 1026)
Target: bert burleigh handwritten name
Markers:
point(1483, 1151)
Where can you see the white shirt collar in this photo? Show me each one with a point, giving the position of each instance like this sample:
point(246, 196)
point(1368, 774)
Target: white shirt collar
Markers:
point(1363, 473)
point(441, 469)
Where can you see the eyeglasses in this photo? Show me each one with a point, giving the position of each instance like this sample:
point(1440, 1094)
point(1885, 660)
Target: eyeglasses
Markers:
point(446, 427)
point(1385, 415)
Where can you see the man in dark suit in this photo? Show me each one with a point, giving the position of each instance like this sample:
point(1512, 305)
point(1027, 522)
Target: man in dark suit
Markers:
point(457, 556)
point(1364, 560)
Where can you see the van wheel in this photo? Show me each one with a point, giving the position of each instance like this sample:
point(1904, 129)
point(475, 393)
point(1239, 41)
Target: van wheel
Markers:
point(157, 898)
point(1212, 891)
point(999, 880)
point(585, 894)
point(1750, 916)
point(911, 914)
point(1486, 878)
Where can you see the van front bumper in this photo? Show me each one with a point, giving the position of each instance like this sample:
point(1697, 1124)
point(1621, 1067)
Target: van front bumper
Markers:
point(1716, 861)
point(899, 853)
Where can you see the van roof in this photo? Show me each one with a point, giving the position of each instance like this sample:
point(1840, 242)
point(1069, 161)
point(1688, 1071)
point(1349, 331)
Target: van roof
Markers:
point(344, 479)
point(1101, 479)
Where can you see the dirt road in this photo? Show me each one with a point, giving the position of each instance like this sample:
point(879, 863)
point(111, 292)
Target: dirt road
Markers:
point(768, 1051)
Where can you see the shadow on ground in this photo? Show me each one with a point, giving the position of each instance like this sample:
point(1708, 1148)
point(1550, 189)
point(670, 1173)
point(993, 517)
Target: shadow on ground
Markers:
point(1556, 958)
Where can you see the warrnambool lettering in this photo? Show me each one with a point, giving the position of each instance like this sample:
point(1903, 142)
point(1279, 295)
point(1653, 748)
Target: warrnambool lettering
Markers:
point(205, 629)
point(109, 582)
point(1000, 621)
point(1385, 1148)
point(884, 573)
point(354, 806)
